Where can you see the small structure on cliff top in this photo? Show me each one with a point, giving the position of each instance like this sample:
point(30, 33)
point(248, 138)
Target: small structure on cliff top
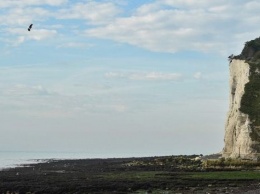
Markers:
point(242, 132)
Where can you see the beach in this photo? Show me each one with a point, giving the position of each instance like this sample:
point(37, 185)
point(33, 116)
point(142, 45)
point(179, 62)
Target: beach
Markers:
point(166, 174)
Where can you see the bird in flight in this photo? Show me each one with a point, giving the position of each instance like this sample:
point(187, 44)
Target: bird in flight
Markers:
point(30, 27)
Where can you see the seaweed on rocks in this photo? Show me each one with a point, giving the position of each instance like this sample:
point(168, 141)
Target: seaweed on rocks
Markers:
point(165, 174)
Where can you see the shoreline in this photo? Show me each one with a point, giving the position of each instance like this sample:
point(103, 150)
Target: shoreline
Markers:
point(164, 174)
point(12, 159)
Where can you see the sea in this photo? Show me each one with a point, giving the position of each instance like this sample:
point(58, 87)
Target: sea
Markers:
point(12, 159)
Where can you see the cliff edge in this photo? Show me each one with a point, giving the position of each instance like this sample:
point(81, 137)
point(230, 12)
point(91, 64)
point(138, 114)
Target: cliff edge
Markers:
point(242, 131)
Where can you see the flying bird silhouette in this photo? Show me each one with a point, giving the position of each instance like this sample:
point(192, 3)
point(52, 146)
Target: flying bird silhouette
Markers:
point(30, 27)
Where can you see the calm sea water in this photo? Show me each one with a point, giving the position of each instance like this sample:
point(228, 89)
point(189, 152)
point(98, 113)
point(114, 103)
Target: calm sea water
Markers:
point(14, 159)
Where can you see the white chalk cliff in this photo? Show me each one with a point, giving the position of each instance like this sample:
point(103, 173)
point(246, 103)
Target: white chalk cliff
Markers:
point(242, 132)
point(237, 133)
point(238, 130)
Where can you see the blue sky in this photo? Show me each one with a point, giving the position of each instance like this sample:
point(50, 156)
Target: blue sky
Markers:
point(119, 78)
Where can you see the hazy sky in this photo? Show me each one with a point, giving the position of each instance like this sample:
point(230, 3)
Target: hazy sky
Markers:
point(119, 77)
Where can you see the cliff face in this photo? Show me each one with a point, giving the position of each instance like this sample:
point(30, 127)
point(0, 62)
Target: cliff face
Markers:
point(237, 135)
point(242, 132)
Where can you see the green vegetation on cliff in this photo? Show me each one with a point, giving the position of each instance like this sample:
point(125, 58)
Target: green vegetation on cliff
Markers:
point(250, 102)
point(251, 51)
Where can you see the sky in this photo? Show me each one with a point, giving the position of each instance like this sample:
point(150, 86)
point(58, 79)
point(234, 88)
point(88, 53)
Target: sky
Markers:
point(119, 78)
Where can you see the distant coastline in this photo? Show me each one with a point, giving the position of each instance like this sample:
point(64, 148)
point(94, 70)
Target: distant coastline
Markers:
point(12, 159)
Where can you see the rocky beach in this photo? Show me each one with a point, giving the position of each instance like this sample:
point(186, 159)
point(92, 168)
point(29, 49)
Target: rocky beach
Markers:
point(167, 174)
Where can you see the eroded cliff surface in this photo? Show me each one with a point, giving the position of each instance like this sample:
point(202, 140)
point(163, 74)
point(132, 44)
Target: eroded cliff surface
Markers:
point(237, 134)
point(242, 132)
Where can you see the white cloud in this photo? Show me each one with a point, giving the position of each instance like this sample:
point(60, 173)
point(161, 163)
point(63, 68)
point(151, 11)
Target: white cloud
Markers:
point(170, 26)
point(35, 34)
point(197, 75)
point(36, 100)
point(199, 4)
point(252, 6)
point(20, 40)
point(23, 3)
point(155, 76)
point(16, 21)
point(25, 90)
point(218, 9)
point(91, 11)
point(21, 16)
point(149, 76)
point(119, 108)
point(41, 34)
point(75, 45)
point(163, 30)
point(161, 26)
